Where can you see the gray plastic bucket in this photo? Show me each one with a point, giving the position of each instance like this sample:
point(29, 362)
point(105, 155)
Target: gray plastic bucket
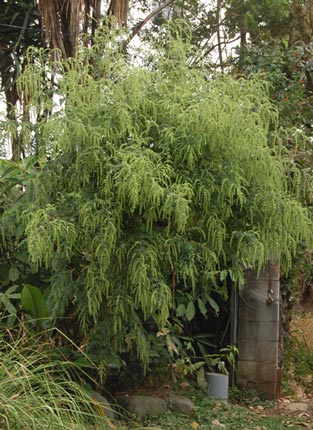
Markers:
point(217, 386)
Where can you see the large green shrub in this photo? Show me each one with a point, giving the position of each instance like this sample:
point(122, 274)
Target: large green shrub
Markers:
point(153, 185)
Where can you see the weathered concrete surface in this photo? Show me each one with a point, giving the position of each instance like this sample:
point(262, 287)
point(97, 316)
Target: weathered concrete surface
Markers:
point(261, 370)
point(258, 332)
point(267, 331)
point(256, 350)
point(257, 309)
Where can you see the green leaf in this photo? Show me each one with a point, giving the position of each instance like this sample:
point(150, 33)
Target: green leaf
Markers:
point(8, 305)
point(13, 274)
point(213, 304)
point(223, 275)
point(202, 383)
point(10, 321)
point(83, 362)
point(11, 290)
point(181, 310)
point(190, 311)
point(33, 302)
point(202, 307)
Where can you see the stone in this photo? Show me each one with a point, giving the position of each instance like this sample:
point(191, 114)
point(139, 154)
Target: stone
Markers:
point(181, 403)
point(217, 424)
point(184, 385)
point(107, 409)
point(143, 406)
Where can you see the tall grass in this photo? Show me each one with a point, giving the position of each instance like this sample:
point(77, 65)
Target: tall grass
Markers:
point(37, 390)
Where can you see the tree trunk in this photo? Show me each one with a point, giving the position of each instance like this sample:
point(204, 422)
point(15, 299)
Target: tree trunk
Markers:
point(62, 20)
point(8, 78)
point(119, 9)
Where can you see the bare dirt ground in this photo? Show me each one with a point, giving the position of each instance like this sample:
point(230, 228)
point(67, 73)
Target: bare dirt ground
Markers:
point(299, 412)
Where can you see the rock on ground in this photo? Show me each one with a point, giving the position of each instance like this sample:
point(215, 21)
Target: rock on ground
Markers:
point(143, 406)
point(181, 403)
point(107, 409)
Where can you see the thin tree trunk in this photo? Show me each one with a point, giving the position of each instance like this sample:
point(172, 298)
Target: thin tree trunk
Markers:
point(8, 80)
point(218, 34)
point(96, 17)
point(11, 100)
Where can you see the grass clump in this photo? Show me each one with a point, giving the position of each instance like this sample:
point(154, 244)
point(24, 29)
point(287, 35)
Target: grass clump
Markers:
point(37, 390)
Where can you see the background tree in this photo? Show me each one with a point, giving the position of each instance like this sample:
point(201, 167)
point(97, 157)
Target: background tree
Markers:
point(19, 29)
point(57, 26)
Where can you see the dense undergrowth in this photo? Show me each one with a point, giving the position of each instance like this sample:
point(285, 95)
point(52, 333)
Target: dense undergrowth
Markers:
point(210, 415)
point(41, 389)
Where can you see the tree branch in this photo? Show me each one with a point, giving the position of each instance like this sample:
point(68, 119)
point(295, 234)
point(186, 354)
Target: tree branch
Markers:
point(218, 34)
point(139, 26)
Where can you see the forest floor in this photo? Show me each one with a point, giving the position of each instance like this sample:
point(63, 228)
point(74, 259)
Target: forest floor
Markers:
point(243, 411)
point(296, 412)
point(246, 410)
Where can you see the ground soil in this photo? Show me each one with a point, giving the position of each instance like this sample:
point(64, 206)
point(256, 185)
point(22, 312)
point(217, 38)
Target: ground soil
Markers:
point(299, 411)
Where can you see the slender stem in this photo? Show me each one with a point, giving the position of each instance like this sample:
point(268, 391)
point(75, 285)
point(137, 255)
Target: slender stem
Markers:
point(218, 34)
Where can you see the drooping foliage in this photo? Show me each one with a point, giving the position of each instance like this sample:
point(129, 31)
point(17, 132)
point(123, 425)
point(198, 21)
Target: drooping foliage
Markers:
point(152, 183)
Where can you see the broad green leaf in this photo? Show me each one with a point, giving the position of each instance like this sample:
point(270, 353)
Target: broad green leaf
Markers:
point(202, 307)
point(181, 310)
point(190, 311)
point(11, 290)
point(33, 302)
point(223, 275)
point(13, 274)
point(213, 304)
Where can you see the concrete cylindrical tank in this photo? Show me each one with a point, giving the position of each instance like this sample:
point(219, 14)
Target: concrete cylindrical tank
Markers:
point(217, 386)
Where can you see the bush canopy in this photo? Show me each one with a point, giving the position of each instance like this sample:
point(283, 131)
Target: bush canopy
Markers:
point(152, 183)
